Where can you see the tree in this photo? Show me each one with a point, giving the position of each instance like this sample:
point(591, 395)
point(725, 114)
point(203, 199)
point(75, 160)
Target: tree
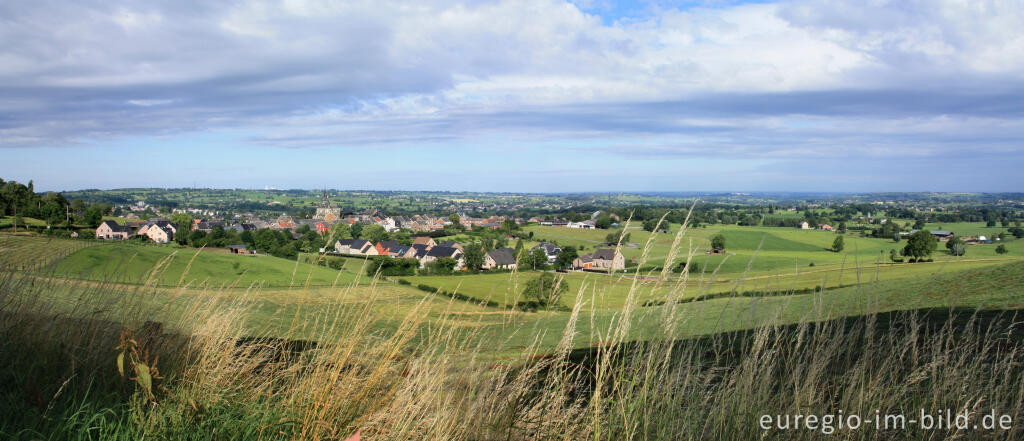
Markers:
point(474, 256)
point(197, 239)
point(453, 218)
point(837, 245)
point(537, 258)
point(342, 230)
point(956, 246)
point(920, 245)
point(650, 224)
point(842, 227)
point(566, 257)
point(443, 265)
point(990, 223)
point(509, 225)
point(374, 233)
point(603, 221)
point(718, 241)
point(388, 266)
point(183, 220)
point(94, 215)
point(892, 255)
point(546, 290)
point(1001, 249)
point(356, 231)
point(614, 237)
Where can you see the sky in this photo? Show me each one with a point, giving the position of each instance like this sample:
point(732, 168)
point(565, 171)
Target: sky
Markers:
point(517, 95)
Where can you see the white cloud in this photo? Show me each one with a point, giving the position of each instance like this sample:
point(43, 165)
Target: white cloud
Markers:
point(377, 71)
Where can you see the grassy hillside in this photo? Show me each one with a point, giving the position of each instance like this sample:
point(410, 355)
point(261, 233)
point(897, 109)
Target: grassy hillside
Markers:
point(173, 266)
point(32, 252)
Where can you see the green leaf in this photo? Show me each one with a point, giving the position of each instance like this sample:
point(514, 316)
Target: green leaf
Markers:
point(144, 379)
point(120, 363)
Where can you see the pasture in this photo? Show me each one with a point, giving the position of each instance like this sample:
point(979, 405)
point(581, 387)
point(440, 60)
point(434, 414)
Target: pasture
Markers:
point(167, 265)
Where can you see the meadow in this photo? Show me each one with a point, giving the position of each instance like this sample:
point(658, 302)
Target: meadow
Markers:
point(309, 352)
point(169, 265)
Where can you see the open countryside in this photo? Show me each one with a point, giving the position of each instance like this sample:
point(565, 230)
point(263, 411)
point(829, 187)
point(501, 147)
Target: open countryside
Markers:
point(553, 220)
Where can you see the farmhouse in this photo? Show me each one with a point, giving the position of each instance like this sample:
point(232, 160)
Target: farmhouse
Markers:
point(111, 230)
point(805, 226)
point(501, 258)
point(585, 261)
point(601, 259)
point(550, 249)
point(827, 227)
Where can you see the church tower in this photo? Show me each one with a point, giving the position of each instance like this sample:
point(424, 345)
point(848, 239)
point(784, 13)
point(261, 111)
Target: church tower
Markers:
point(327, 212)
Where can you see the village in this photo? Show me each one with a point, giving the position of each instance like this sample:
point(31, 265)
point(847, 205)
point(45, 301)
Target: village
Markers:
point(423, 248)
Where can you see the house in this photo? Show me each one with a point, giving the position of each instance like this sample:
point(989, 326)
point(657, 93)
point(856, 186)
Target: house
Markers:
point(207, 226)
point(424, 240)
point(805, 226)
point(419, 250)
point(607, 258)
point(501, 258)
point(438, 252)
point(392, 248)
point(111, 230)
point(169, 229)
point(401, 251)
point(388, 223)
point(827, 227)
point(243, 227)
point(585, 261)
point(355, 246)
point(159, 234)
point(452, 245)
point(283, 222)
point(550, 249)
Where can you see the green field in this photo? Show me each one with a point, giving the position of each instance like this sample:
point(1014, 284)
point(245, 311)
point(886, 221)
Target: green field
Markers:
point(174, 266)
point(782, 249)
point(31, 252)
point(284, 299)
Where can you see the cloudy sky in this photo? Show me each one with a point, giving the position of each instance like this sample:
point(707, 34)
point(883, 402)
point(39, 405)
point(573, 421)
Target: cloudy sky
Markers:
point(519, 95)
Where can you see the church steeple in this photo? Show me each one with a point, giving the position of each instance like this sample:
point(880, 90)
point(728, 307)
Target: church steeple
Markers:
point(325, 211)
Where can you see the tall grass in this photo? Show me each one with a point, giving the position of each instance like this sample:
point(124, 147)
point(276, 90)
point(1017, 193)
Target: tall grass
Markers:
point(324, 374)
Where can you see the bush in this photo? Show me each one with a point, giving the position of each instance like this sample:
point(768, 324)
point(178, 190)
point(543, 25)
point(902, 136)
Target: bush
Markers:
point(389, 266)
point(546, 290)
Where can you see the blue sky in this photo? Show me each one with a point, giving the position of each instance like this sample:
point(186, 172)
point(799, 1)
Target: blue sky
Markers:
point(525, 95)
